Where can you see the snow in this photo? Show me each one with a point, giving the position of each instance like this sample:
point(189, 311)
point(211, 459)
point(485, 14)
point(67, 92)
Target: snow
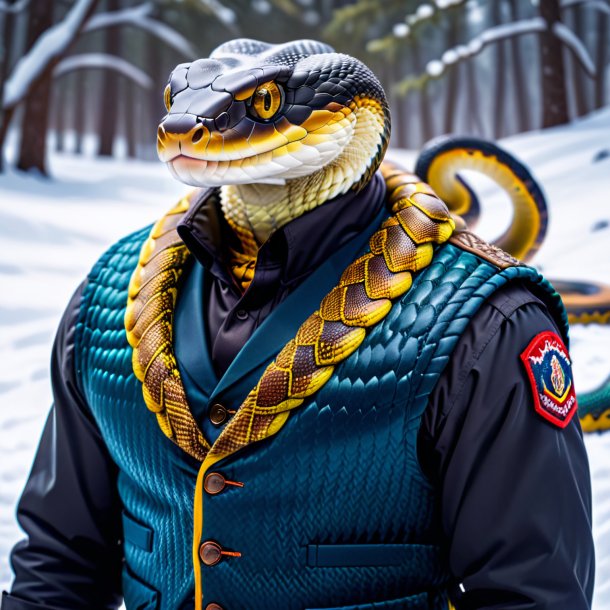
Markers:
point(424, 11)
point(225, 14)
point(51, 233)
point(400, 30)
point(52, 44)
point(436, 67)
point(127, 15)
point(107, 61)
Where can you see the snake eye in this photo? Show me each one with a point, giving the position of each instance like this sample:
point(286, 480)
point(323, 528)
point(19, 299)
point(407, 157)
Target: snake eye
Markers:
point(167, 97)
point(267, 100)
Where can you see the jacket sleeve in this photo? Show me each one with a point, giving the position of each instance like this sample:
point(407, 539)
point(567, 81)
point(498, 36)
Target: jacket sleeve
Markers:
point(69, 509)
point(515, 489)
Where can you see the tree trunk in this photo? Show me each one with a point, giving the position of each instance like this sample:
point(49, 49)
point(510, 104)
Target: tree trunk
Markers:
point(578, 78)
point(554, 96)
point(131, 94)
point(79, 103)
point(452, 90)
point(110, 89)
point(425, 112)
point(60, 114)
point(399, 110)
point(499, 106)
point(474, 113)
point(5, 47)
point(524, 120)
point(603, 22)
point(32, 148)
point(156, 109)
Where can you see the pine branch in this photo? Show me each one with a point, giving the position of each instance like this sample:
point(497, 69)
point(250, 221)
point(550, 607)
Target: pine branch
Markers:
point(452, 57)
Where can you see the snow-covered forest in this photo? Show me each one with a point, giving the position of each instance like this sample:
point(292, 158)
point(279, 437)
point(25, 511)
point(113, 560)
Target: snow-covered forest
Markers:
point(487, 68)
point(81, 92)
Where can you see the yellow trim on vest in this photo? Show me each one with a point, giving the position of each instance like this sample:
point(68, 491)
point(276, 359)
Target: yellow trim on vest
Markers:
point(277, 424)
point(197, 529)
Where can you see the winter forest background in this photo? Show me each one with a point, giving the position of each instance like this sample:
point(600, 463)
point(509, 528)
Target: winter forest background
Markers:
point(491, 68)
point(81, 94)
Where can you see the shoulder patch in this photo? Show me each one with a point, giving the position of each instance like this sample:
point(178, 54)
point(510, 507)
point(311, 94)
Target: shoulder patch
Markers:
point(549, 370)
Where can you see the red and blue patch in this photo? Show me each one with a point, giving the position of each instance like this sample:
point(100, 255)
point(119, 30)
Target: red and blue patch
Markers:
point(549, 369)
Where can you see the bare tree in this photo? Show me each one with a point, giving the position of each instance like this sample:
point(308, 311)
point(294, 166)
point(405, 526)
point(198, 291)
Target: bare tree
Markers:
point(110, 84)
point(523, 115)
point(34, 120)
point(554, 94)
point(8, 9)
point(47, 57)
point(500, 77)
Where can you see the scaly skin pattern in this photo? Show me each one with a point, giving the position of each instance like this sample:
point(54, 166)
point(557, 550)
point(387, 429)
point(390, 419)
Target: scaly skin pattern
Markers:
point(593, 409)
point(321, 129)
point(149, 319)
point(363, 297)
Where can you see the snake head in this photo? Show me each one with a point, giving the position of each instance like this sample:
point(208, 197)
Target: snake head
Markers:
point(260, 113)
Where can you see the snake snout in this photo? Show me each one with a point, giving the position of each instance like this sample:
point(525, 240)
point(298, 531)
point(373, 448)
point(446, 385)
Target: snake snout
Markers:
point(179, 123)
point(181, 134)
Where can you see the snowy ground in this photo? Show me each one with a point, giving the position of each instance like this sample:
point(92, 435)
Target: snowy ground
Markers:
point(52, 232)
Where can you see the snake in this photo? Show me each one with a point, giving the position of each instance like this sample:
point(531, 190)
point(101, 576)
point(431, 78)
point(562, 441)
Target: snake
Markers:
point(277, 130)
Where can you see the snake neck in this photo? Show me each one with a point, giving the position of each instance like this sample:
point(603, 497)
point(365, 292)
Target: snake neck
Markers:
point(255, 211)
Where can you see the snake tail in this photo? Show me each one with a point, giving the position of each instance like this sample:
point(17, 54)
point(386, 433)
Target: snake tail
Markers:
point(440, 164)
point(594, 409)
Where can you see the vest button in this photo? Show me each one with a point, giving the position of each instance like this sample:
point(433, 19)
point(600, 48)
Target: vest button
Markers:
point(210, 553)
point(218, 414)
point(214, 607)
point(214, 483)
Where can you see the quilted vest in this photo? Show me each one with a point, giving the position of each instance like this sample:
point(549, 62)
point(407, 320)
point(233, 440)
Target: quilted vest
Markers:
point(334, 511)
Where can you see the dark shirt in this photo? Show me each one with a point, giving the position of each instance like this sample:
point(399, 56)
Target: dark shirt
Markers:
point(515, 490)
point(287, 258)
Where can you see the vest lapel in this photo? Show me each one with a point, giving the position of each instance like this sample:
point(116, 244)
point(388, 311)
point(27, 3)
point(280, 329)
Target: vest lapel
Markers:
point(201, 383)
point(282, 324)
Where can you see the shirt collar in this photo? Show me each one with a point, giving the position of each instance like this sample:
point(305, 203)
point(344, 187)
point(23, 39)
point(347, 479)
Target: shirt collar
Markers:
point(298, 247)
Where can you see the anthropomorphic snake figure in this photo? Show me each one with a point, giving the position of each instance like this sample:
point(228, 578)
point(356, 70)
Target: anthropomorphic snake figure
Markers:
point(308, 385)
point(313, 124)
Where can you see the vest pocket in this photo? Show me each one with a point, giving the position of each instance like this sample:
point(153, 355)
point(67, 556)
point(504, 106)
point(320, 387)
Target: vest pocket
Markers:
point(413, 602)
point(136, 533)
point(367, 555)
point(137, 594)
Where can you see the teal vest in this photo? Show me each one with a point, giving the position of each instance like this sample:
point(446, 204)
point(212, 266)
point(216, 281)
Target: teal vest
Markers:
point(334, 512)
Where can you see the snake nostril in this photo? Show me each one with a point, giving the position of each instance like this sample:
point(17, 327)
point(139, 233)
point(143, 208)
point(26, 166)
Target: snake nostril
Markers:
point(197, 135)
